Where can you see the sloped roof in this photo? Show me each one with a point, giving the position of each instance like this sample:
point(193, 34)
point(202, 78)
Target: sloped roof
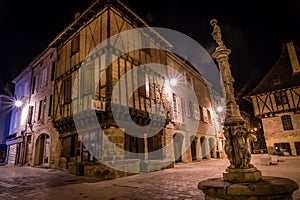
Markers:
point(92, 10)
point(282, 71)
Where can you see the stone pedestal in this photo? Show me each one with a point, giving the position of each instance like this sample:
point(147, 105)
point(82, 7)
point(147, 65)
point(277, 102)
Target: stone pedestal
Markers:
point(268, 188)
point(242, 175)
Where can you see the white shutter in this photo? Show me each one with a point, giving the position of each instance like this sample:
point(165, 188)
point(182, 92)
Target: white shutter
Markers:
point(176, 109)
point(205, 117)
point(44, 77)
point(196, 111)
point(179, 113)
point(187, 108)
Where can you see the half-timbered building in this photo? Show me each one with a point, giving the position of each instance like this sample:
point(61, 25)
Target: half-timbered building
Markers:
point(276, 101)
point(96, 88)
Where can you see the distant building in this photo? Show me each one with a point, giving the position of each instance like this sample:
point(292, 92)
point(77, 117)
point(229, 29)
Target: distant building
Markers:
point(276, 101)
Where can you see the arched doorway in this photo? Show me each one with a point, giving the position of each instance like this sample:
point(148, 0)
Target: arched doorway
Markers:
point(193, 140)
point(212, 147)
point(42, 150)
point(177, 142)
point(203, 147)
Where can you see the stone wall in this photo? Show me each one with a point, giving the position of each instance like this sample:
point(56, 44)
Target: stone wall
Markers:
point(274, 133)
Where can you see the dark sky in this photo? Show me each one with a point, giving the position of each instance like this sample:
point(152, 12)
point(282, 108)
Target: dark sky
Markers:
point(253, 30)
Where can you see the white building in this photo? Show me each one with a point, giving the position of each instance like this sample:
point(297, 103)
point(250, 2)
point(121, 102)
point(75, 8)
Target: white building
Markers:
point(32, 139)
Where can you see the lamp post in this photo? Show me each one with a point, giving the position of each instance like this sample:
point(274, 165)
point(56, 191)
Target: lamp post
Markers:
point(19, 104)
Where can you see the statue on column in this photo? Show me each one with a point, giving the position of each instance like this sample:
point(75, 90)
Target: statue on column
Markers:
point(217, 33)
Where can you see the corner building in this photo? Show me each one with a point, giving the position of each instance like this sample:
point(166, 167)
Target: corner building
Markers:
point(88, 110)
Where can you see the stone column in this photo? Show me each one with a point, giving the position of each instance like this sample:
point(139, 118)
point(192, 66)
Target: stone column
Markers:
point(241, 180)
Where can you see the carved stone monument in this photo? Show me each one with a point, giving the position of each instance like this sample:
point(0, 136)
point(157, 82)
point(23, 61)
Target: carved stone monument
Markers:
point(241, 180)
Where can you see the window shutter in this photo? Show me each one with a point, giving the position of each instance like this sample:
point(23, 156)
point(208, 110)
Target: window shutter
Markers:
point(205, 117)
point(196, 111)
point(187, 108)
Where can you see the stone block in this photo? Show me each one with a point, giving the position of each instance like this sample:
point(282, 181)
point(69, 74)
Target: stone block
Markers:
point(274, 158)
point(265, 161)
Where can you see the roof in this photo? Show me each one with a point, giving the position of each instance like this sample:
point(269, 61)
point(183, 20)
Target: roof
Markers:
point(93, 9)
point(281, 73)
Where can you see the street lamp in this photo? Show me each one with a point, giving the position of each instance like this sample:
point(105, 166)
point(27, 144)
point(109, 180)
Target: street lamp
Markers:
point(173, 82)
point(219, 109)
point(18, 103)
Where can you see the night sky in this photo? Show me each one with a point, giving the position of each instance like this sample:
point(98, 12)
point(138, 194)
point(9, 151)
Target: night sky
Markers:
point(253, 30)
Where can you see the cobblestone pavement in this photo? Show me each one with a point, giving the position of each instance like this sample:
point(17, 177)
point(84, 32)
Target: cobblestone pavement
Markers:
point(177, 183)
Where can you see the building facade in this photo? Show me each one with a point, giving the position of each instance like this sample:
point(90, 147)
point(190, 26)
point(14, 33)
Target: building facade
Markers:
point(18, 123)
point(276, 101)
point(33, 140)
point(88, 110)
point(5, 114)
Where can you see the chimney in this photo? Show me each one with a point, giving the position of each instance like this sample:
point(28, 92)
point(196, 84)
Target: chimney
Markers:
point(293, 57)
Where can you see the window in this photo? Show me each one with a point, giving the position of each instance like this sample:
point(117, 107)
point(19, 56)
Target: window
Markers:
point(40, 114)
point(52, 70)
point(287, 122)
point(196, 111)
point(281, 98)
point(44, 78)
point(50, 106)
point(187, 108)
point(176, 107)
point(30, 114)
point(75, 45)
point(91, 146)
point(26, 89)
point(66, 98)
point(191, 109)
point(68, 146)
point(33, 84)
point(16, 119)
point(19, 92)
point(155, 147)
point(87, 79)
